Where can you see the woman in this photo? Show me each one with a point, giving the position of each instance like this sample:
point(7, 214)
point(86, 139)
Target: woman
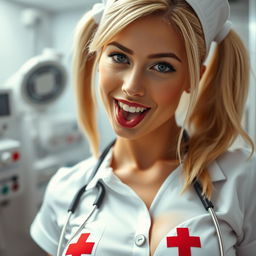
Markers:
point(148, 53)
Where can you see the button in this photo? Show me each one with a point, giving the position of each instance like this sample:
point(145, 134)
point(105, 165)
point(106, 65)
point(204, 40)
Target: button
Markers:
point(15, 156)
point(6, 158)
point(15, 186)
point(140, 240)
point(15, 183)
point(5, 190)
point(14, 178)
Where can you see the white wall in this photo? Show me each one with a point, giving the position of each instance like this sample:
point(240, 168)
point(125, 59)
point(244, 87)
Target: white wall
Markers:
point(240, 19)
point(63, 25)
point(16, 41)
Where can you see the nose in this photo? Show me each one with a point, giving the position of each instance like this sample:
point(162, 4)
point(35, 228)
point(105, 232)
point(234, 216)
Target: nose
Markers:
point(133, 83)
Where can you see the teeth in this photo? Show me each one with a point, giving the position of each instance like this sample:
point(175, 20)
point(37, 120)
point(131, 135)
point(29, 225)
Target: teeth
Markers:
point(127, 108)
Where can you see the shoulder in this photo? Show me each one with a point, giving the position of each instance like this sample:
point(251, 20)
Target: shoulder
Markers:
point(68, 180)
point(81, 170)
point(237, 162)
point(235, 196)
point(238, 169)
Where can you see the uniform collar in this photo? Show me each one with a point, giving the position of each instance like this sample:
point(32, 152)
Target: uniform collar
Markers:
point(216, 172)
point(105, 171)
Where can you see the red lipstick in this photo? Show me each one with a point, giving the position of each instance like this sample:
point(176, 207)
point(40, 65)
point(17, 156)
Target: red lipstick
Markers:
point(127, 119)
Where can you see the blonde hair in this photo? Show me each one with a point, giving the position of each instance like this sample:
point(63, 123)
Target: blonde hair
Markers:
point(216, 102)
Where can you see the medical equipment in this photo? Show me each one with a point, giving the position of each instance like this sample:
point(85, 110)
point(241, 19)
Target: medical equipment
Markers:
point(49, 138)
point(38, 135)
point(10, 152)
point(39, 82)
point(208, 205)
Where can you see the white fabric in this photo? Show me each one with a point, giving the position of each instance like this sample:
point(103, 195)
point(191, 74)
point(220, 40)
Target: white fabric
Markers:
point(97, 12)
point(213, 15)
point(224, 32)
point(123, 215)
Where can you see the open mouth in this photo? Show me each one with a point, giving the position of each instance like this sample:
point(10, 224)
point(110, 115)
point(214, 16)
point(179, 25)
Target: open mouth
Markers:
point(129, 114)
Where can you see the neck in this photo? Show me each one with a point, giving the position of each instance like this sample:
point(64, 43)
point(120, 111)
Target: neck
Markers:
point(144, 152)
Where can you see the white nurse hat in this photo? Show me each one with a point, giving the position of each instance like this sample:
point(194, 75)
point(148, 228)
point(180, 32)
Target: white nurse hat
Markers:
point(97, 12)
point(213, 15)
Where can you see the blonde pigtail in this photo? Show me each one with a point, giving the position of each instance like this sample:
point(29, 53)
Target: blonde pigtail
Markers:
point(216, 118)
point(83, 70)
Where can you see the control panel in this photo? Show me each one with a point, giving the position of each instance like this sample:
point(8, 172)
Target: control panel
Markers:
point(9, 168)
point(10, 149)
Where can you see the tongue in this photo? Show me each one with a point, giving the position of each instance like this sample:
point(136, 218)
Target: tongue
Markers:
point(130, 116)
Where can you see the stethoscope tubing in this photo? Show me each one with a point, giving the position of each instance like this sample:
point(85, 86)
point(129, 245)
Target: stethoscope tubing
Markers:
point(63, 231)
point(218, 230)
point(96, 205)
point(77, 231)
point(208, 205)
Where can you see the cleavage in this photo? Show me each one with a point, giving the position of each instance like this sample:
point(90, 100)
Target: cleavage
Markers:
point(161, 225)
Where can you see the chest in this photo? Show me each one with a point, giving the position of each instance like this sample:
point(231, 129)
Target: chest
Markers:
point(147, 189)
point(174, 224)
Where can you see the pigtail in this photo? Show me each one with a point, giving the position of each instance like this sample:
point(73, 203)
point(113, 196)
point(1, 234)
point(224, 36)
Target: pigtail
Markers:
point(83, 70)
point(216, 119)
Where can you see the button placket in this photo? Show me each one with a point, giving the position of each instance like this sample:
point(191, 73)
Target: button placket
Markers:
point(141, 243)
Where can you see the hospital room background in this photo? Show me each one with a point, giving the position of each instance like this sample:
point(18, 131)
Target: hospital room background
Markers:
point(38, 127)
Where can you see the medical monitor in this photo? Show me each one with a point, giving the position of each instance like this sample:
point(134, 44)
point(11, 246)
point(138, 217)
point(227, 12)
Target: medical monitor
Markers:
point(4, 105)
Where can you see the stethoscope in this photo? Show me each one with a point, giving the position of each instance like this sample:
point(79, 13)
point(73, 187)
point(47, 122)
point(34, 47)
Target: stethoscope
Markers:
point(208, 205)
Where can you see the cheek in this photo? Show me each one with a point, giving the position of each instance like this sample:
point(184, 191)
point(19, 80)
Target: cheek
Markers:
point(103, 78)
point(169, 92)
point(103, 84)
point(108, 79)
point(168, 95)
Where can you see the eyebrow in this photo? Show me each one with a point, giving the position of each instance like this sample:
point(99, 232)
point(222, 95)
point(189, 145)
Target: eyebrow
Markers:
point(152, 56)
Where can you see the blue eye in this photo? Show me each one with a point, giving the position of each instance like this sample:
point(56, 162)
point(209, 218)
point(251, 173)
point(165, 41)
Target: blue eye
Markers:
point(164, 67)
point(119, 58)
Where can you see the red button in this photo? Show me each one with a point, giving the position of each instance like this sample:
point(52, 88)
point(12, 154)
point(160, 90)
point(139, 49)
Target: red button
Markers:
point(15, 186)
point(15, 156)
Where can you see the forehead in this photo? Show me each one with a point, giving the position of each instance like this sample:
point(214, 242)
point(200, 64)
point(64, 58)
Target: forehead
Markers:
point(151, 34)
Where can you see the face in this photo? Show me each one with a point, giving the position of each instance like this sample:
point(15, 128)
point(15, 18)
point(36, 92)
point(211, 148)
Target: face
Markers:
point(142, 74)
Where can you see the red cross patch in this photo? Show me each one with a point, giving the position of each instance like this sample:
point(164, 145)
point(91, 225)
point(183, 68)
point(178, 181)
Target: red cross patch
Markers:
point(183, 241)
point(81, 247)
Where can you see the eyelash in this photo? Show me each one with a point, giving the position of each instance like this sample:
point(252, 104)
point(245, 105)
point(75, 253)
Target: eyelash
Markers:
point(115, 55)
